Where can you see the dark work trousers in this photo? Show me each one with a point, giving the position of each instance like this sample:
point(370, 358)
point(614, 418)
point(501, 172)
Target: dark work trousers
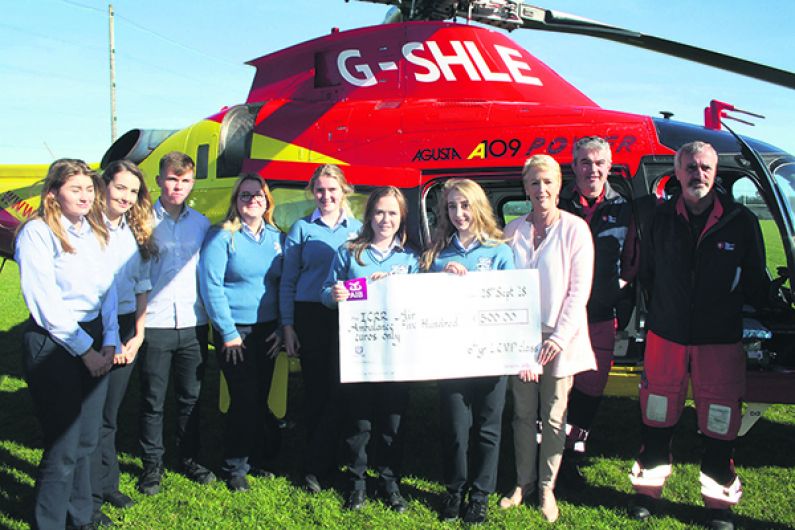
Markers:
point(317, 330)
point(105, 462)
point(249, 382)
point(185, 352)
point(68, 403)
point(374, 410)
point(471, 409)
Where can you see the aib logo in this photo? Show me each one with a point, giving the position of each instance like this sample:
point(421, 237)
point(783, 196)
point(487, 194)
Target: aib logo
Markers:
point(725, 245)
point(357, 289)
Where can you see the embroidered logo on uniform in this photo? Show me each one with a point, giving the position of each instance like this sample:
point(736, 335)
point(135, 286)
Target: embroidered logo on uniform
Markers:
point(399, 269)
point(725, 245)
point(352, 235)
point(484, 264)
point(357, 288)
point(609, 218)
point(277, 247)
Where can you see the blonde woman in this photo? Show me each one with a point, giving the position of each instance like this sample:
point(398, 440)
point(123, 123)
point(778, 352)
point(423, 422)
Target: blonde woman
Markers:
point(310, 328)
point(559, 245)
point(239, 272)
point(71, 337)
point(467, 238)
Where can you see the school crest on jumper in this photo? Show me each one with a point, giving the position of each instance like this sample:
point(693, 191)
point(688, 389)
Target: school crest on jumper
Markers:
point(399, 269)
point(484, 264)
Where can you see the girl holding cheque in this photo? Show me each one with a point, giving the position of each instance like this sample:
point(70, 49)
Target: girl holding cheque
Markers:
point(467, 238)
point(377, 252)
point(559, 245)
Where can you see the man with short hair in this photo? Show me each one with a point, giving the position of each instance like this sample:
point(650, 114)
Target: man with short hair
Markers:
point(702, 259)
point(609, 216)
point(176, 327)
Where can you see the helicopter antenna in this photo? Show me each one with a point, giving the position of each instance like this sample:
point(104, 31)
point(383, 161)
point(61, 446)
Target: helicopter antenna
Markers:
point(515, 14)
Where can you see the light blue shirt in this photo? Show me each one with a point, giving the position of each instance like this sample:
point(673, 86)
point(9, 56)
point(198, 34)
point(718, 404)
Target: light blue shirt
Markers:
point(62, 289)
point(132, 272)
point(174, 301)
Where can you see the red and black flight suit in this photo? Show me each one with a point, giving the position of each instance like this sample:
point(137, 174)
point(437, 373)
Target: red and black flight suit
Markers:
point(609, 217)
point(699, 271)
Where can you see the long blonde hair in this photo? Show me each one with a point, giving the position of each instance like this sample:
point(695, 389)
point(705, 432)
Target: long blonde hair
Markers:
point(484, 225)
point(366, 234)
point(231, 222)
point(49, 210)
point(140, 216)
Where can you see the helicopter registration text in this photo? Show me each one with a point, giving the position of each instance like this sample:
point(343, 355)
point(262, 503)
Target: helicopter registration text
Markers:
point(465, 55)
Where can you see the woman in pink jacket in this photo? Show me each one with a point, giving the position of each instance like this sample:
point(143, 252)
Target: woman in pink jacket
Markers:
point(560, 247)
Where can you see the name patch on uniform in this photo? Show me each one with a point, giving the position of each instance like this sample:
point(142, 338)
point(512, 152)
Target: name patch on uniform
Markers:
point(357, 289)
point(725, 245)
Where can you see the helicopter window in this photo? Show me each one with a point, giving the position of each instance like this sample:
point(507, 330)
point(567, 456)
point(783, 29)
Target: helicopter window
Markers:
point(745, 191)
point(202, 161)
point(785, 178)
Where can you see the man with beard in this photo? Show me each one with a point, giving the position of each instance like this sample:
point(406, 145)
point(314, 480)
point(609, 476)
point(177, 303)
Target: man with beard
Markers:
point(702, 259)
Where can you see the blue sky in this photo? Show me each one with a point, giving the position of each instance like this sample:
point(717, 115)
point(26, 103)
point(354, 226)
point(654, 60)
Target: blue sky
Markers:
point(179, 61)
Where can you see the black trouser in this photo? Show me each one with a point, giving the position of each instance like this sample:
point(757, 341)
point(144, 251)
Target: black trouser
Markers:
point(317, 330)
point(375, 409)
point(471, 407)
point(249, 383)
point(68, 403)
point(105, 462)
point(184, 350)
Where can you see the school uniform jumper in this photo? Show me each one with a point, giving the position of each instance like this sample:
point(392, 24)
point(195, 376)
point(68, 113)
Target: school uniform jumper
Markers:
point(176, 335)
point(372, 408)
point(72, 304)
point(239, 283)
point(472, 407)
point(309, 250)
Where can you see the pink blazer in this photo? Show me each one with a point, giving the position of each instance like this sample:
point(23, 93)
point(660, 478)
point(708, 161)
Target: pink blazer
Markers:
point(565, 261)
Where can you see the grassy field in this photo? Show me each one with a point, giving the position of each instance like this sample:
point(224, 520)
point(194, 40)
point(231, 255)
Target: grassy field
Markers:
point(765, 459)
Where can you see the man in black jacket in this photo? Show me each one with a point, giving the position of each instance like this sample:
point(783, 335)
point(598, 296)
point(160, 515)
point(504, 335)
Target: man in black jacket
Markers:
point(609, 216)
point(702, 259)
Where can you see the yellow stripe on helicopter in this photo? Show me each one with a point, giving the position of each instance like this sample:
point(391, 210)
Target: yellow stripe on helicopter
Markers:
point(267, 148)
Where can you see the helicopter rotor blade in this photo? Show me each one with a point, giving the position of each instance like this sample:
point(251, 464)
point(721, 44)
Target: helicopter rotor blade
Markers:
point(515, 14)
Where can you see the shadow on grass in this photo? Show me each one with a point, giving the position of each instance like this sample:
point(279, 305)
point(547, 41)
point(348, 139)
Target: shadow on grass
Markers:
point(689, 514)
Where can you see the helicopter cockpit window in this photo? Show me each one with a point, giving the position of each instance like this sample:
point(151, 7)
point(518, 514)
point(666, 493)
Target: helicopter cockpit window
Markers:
point(785, 178)
point(746, 192)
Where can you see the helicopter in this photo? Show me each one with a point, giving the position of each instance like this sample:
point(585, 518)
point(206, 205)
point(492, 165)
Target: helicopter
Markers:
point(419, 100)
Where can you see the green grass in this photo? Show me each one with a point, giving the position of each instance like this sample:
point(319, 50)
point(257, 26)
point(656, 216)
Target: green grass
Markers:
point(765, 459)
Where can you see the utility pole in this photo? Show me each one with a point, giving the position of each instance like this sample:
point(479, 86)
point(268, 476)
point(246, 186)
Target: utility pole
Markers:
point(112, 45)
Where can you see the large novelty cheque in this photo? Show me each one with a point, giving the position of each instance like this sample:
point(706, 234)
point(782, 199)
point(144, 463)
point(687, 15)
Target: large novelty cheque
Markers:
point(414, 327)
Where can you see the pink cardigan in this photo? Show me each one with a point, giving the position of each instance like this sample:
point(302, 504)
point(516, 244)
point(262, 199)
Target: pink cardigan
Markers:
point(565, 261)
